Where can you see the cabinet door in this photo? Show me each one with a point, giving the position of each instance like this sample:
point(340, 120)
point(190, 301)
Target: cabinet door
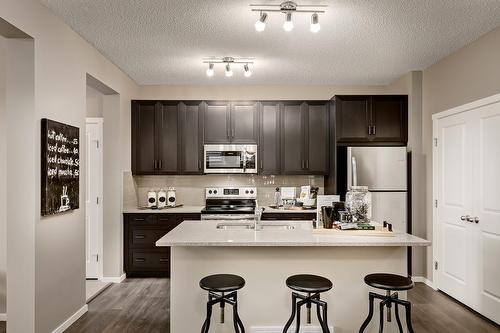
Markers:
point(317, 138)
point(191, 114)
point(269, 138)
point(143, 137)
point(167, 137)
point(353, 119)
point(244, 122)
point(390, 118)
point(292, 138)
point(216, 122)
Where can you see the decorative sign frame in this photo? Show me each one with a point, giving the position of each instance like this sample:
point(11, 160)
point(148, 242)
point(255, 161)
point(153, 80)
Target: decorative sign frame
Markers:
point(60, 155)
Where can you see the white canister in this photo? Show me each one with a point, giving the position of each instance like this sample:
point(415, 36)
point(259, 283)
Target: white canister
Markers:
point(162, 198)
point(171, 197)
point(152, 199)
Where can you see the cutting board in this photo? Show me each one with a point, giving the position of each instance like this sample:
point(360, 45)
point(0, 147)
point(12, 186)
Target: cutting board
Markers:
point(379, 231)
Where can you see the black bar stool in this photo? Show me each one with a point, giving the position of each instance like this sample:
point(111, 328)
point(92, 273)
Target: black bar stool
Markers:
point(388, 282)
point(218, 286)
point(313, 285)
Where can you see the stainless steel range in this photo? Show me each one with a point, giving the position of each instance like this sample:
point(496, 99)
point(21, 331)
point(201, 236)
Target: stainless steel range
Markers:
point(229, 203)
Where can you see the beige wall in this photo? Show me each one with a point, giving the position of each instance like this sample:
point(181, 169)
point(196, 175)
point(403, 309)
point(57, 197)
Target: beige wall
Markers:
point(3, 181)
point(62, 60)
point(94, 101)
point(471, 73)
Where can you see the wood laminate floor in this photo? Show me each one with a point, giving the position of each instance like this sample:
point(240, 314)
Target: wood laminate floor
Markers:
point(142, 305)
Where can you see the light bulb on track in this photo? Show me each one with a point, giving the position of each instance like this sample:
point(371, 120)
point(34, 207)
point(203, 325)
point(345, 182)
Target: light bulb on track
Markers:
point(210, 70)
point(288, 24)
point(315, 27)
point(260, 25)
point(248, 72)
point(229, 71)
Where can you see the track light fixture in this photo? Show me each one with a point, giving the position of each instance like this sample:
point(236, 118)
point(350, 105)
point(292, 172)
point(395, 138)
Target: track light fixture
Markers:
point(288, 24)
point(287, 8)
point(228, 63)
point(315, 27)
point(260, 25)
point(210, 70)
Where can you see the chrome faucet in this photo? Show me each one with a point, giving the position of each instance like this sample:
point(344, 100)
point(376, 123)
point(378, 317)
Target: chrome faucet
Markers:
point(257, 225)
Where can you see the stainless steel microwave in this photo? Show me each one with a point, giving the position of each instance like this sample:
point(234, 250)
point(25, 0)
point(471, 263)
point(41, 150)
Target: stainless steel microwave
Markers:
point(230, 158)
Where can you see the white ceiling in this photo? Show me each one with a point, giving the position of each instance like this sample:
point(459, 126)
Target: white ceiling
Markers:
point(360, 42)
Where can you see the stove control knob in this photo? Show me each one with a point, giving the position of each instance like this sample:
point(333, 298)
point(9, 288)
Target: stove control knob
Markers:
point(215, 191)
point(209, 191)
point(251, 191)
point(246, 192)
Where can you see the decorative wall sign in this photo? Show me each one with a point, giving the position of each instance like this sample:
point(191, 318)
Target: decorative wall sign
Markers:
point(60, 167)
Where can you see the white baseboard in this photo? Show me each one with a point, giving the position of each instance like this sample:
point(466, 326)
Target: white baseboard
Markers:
point(3, 317)
point(424, 280)
point(279, 329)
point(71, 319)
point(114, 279)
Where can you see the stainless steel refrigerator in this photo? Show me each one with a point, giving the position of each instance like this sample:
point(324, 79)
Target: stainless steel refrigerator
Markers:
point(384, 171)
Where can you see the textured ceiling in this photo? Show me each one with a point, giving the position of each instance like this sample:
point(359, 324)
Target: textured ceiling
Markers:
point(360, 42)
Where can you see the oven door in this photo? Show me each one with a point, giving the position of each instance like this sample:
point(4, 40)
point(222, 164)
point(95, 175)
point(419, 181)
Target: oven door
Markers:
point(230, 158)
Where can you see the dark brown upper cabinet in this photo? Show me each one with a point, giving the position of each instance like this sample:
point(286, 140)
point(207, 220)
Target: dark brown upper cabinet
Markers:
point(230, 122)
point(371, 120)
point(144, 137)
point(191, 127)
point(317, 138)
point(269, 138)
point(304, 138)
point(155, 137)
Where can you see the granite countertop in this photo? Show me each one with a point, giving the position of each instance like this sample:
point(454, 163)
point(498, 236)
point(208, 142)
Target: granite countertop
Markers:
point(178, 210)
point(197, 209)
point(205, 233)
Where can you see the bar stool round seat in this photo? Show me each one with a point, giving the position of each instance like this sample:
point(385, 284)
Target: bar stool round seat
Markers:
point(222, 283)
point(307, 283)
point(389, 281)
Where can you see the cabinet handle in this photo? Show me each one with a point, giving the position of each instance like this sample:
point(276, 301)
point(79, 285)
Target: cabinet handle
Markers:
point(228, 133)
point(155, 164)
point(140, 236)
point(374, 130)
point(307, 164)
point(199, 165)
point(261, 164)
point(138, 218)
point(369, 130)
point(160, 163)
point(163, 260)
point(140, 259)
point(233, 133)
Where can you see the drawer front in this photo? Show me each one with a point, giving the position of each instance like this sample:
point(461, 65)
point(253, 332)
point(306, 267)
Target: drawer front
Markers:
point(146, 237)
point(150, 260)
point(289, 216)
point(141, 218)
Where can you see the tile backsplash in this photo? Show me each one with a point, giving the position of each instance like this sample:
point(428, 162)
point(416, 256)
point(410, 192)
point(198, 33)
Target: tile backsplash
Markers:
point(190, 190)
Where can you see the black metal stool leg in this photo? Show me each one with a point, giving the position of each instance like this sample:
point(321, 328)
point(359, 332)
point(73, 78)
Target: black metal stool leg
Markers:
point(235, 316)
point(398, 320)
point(408, 316)
point(370, 314)
point(381, 322)
point(292, 316)
point(325, 318)
point(297, 328)
point(206, 324)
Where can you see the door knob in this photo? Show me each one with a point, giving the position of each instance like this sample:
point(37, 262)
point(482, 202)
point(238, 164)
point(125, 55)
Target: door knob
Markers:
point(474, 219)
point(465, 217)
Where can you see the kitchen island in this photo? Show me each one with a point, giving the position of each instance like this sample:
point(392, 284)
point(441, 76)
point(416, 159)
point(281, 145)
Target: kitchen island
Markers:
point(265, 258)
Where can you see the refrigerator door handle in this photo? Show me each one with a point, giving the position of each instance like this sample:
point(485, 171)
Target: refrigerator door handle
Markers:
point(354, 172)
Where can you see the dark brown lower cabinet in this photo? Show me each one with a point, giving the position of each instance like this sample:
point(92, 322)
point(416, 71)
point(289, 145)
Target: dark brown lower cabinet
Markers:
point(142, 258)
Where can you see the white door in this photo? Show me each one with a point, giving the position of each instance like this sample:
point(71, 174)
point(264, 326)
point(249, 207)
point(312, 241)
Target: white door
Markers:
point(455, 177)
point(468, 212)
point(93, 200)
point(487, 211)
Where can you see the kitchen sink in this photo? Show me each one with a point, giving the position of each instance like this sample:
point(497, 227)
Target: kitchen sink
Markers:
point(234, 225)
